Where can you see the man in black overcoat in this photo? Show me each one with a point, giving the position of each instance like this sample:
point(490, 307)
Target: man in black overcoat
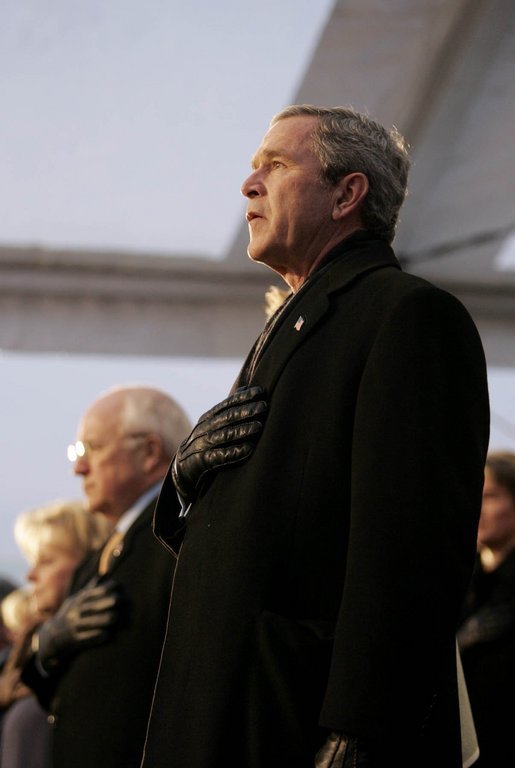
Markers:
point(98, 684)
point(329, 507)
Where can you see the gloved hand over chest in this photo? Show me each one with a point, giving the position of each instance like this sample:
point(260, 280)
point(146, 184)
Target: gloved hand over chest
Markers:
point(224, 435)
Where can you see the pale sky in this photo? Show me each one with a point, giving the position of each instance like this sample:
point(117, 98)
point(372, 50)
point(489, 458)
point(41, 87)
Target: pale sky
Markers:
point(127, 124)
point(130, 124)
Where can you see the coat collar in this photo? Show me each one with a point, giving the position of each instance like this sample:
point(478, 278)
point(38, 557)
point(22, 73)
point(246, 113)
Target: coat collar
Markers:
point(353, 257)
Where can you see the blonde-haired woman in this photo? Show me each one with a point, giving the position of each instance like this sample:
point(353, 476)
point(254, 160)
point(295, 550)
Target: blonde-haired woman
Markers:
point(54, 538)
point(17, 612)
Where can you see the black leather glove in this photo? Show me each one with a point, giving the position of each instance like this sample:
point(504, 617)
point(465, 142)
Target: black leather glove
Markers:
point(83, 619)
point(337, 752)
point(226, 434)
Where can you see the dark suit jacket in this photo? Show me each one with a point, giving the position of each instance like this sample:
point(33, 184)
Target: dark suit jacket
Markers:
point(101, 700)
point(318, 584)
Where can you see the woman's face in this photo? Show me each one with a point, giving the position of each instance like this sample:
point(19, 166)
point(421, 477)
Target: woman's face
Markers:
point(497, 521)
point(51, 575)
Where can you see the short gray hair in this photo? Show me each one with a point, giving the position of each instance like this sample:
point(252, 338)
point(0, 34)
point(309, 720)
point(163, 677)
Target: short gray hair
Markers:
point(346, 141)
point(146, 409)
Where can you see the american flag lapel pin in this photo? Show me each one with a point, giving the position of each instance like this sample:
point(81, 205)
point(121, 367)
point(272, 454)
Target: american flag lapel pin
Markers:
point(300, 322)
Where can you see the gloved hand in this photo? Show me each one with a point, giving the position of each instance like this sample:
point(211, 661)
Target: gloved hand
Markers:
point(226, 434)
point(83, 619)
point(338, 751)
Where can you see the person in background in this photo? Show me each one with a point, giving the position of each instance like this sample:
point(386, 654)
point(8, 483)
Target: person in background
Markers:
point(19, 616)
point(274, 298)
point(6, 587)
point(55, 538)
point(330, 504)
point(99, 694)
point(16, 613)
point(487, 634)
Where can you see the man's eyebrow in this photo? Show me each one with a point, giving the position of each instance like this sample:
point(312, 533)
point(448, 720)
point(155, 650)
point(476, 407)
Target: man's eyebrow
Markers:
point(267, 154)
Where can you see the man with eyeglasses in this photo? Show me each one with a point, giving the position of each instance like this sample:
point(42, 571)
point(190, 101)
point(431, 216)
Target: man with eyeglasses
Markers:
point(94, 664)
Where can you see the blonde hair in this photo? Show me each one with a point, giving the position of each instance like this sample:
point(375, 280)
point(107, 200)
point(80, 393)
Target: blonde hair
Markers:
point(274, 298)
point(17, 609)
point(67, 525)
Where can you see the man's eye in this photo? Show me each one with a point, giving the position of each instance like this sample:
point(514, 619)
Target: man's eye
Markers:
point(93, 447)
point(277, 164)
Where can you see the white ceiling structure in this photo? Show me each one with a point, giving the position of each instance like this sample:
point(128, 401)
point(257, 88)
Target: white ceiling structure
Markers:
point(442, 72)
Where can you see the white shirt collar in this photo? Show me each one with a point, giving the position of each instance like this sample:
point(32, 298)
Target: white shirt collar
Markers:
point(128, 517)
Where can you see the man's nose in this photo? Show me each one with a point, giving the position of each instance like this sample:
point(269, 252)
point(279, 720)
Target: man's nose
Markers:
point(81, 466)
point(252, 186)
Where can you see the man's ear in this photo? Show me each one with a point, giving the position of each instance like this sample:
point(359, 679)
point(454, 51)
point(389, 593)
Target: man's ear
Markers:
point(351, 191)
point(153, 448)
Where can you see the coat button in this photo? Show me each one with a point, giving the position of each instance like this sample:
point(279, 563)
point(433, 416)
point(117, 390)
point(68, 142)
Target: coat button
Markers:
point(51, 719)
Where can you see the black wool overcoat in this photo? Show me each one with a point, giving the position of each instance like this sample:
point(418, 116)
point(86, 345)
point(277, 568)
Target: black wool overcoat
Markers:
point(318, 584)
point(99, 702)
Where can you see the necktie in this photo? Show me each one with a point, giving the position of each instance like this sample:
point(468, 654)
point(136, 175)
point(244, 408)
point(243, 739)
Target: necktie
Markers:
point(254, 356)
point(112, 548)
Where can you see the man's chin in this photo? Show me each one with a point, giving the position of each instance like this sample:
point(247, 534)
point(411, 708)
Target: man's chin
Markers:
point(250, 253)
point(94, 505)
point(259, 256)
point(90, 505)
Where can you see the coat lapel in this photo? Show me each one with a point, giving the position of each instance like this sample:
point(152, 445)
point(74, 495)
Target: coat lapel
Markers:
point(89, 568)
point(144, 520)
point(346, 263)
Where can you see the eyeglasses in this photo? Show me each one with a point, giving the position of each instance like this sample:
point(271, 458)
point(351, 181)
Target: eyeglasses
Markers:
point(82, 449)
